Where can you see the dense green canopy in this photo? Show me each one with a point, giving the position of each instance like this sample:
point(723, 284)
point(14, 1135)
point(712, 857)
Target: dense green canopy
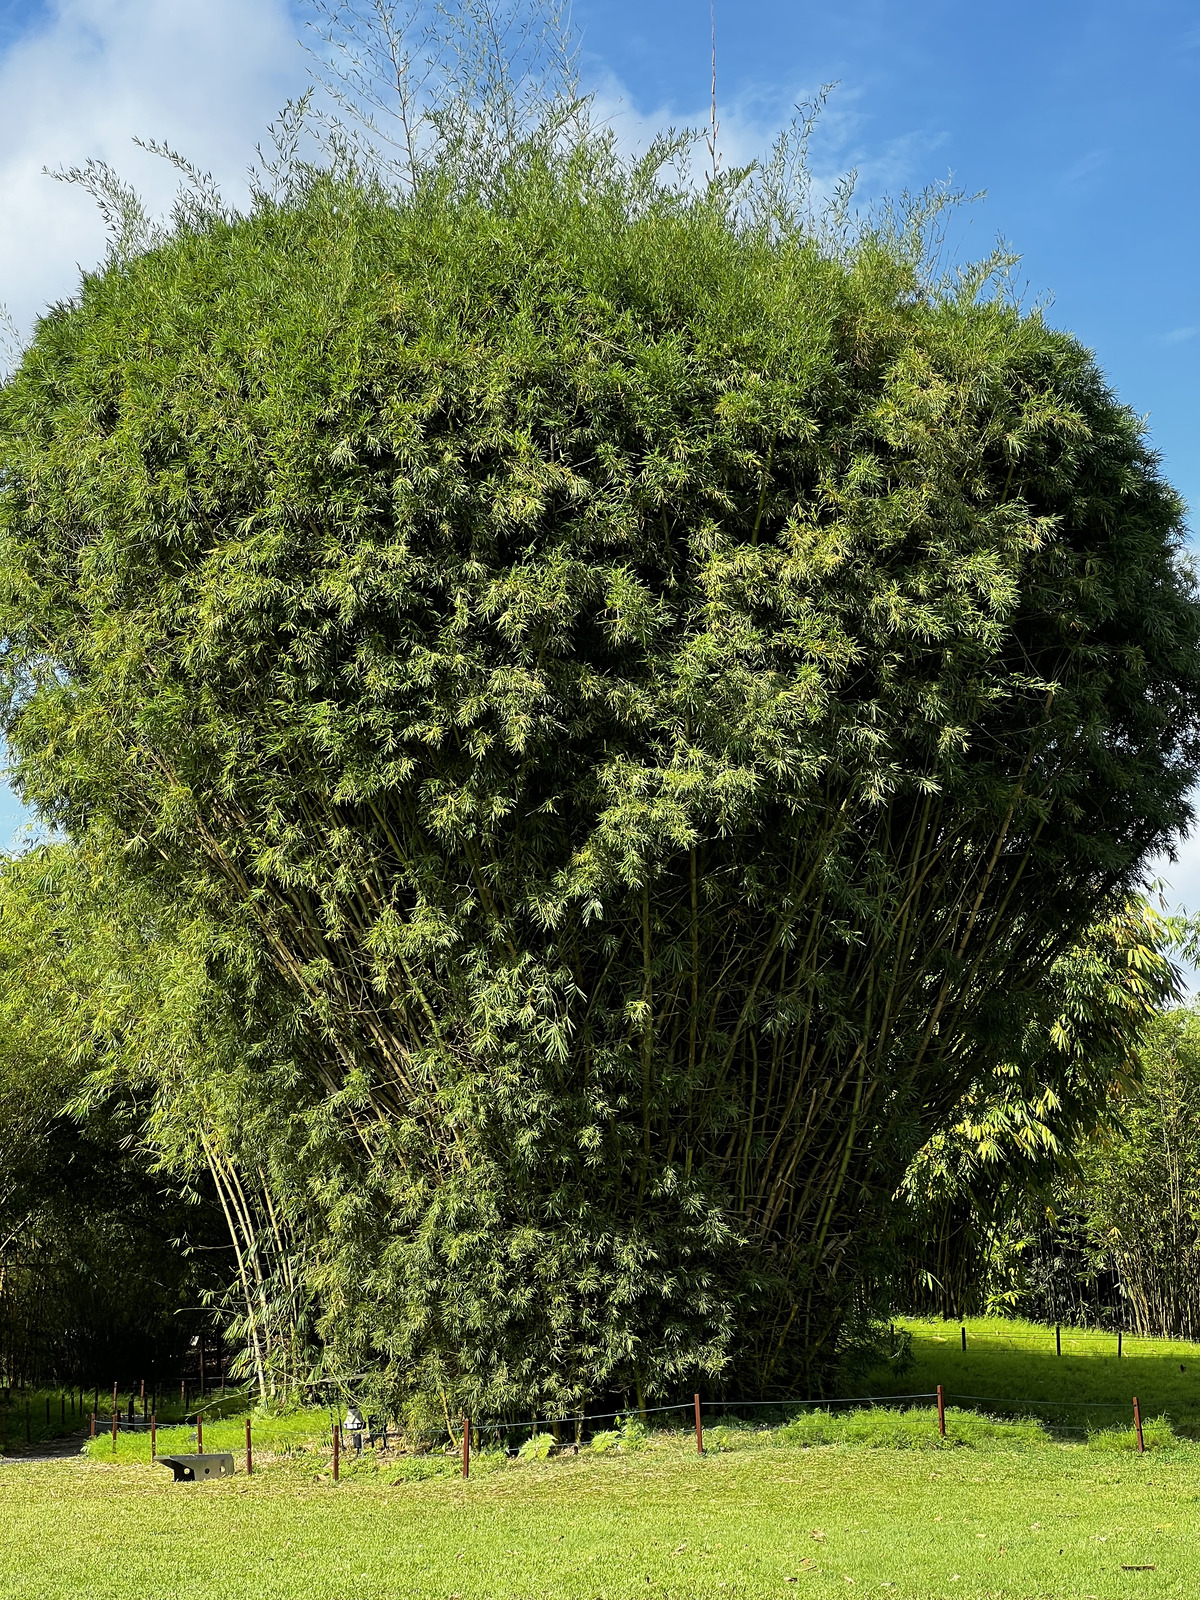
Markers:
point(651, 695)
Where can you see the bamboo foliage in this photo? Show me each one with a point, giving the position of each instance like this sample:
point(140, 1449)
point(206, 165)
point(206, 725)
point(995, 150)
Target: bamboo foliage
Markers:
point(1140, 1186)
point(119, 1084)
point(1012, 1159)
point(1092, 1218)
point(650, 696)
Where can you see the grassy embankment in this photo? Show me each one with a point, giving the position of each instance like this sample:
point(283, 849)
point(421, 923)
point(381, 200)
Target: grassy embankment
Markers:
point(33, 1417)
point(869, 1501)
point(1016, 1361)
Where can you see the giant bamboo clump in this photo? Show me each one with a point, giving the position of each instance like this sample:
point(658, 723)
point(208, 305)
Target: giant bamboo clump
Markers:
point(656, 694)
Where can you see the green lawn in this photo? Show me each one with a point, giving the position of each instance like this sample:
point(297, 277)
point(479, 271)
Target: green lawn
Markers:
point(33, 1416)
point(1087, 1386)
point(272, 1435)
point(997, 1513)
point(865, 1500)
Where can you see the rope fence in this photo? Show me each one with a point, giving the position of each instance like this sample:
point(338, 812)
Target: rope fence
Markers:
point(697, 1406)
point(1051, 1413)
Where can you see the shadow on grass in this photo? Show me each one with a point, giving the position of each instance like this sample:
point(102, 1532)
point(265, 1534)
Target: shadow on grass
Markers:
point(1012, 1368)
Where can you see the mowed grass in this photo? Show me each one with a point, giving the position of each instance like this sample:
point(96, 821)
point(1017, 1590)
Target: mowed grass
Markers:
point(994, 1513)
point(1087, 1386)
point(861, 1500)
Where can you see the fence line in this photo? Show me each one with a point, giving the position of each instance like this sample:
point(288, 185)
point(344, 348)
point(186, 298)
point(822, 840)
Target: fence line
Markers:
point(819, 1402)
point(940, 1395)
point(994, 1400)
point(854, 1400)
point(826, 1402)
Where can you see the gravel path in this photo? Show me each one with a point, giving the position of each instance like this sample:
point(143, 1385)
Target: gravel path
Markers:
point(49, 1450)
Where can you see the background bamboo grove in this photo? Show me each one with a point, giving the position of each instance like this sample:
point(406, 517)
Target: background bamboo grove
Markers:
point(633, 709)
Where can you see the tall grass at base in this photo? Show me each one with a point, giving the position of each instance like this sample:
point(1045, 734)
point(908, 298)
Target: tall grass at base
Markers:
point(916, 1428)
point(306, 1433)
point(1157, 1434)
point(877, 1428)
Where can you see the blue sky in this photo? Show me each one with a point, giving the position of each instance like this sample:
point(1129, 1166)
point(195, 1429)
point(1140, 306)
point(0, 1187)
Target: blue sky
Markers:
point(1080, 120)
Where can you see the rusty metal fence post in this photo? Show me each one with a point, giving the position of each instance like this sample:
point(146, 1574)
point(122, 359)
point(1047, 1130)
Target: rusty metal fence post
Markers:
point(153, 1436)
point(337, 1448)
point(249, 1455)
point(1137, 1426)
point(941, 1399)
point(466, 1450)
point(199, 1434)
point(699, 1428)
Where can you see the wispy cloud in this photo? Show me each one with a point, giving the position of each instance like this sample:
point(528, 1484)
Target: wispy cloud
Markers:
point(751, 121)
point(1179, 335)
point(1085, 166)
point(93, 73)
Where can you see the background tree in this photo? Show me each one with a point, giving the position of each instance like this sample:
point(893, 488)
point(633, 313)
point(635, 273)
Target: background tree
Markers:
point(997, 1212)
point(1139, 1189)
point(103, 1261)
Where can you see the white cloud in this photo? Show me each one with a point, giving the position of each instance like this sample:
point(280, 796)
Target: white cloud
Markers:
point(205, 77)
point(1179, 335)
point(750, 122)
